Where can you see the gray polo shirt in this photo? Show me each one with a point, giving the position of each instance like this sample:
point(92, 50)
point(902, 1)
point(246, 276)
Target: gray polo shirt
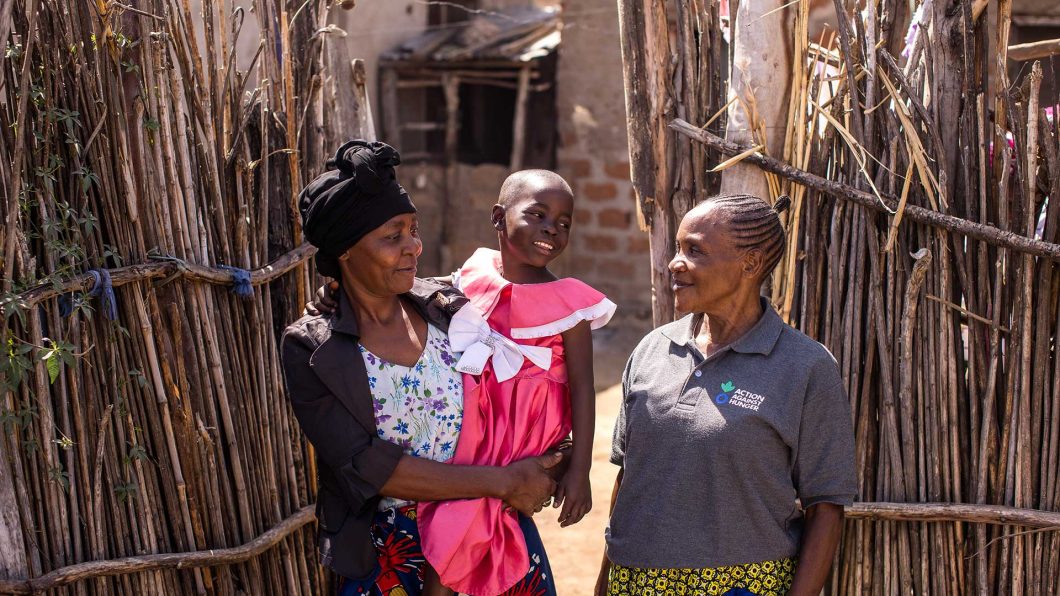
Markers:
point(716, 451)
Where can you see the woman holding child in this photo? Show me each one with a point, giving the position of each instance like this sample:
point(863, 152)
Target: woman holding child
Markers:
point(729, 415)
point(377, 387)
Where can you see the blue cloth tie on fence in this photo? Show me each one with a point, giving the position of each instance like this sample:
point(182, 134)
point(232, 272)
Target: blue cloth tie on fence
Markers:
point(240, 281)
point(102, 288)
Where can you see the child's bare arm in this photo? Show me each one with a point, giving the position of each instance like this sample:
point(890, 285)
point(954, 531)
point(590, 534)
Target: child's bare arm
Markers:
point(574, 492)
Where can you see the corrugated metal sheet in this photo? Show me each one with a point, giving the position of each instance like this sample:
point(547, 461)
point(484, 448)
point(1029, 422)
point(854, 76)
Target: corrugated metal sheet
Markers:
point(517, 35)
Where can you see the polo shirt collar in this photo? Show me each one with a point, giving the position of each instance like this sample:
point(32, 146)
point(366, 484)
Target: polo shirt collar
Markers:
point(759, 339)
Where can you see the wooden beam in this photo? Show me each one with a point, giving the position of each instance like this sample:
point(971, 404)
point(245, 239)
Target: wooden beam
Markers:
point(519, 121)
point(204, 558)
point(165, 267)
point(1035, 50)
point(956, 512)
point(839, 190)
point(419, 83)
point(423, 126)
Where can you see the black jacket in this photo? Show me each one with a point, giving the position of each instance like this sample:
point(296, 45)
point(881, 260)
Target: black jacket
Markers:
point(328, 386)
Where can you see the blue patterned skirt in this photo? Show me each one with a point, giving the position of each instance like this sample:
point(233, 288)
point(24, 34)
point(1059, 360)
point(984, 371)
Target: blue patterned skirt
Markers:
point(400, 567)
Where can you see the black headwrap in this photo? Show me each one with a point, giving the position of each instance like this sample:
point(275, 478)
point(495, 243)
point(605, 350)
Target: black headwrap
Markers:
point(357, 194)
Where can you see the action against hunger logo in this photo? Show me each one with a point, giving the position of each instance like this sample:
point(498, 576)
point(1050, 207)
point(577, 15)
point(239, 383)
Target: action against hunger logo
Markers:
point(738, 397)
point(726, 389)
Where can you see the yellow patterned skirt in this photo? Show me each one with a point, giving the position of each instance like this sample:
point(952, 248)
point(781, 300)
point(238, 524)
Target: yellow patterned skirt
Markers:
point(768, 578)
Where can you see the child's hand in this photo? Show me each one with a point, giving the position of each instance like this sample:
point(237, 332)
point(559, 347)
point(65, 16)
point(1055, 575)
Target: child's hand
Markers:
point(575, 495)
point(327, 300)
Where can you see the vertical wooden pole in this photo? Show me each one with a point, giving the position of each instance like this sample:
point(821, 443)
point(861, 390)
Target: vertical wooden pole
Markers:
point(760, 83)
point(290, 108)
point(451, 87)
point(519, 122)
point(644, 35)
point(391, 127)
point(12, 547)
point(362, 108)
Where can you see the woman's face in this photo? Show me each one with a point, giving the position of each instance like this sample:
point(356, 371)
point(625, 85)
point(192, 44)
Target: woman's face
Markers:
point(708, 272)
point(384, 261)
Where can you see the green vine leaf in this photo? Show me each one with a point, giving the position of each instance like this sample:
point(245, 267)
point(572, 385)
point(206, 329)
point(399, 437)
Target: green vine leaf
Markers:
point(58, 355)
point(141, 380)
point(137, 453)
point(60, 476)
point(52, 363)
point(125, 491)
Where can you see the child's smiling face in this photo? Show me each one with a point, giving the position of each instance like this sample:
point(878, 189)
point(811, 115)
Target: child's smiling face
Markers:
point(536, 226)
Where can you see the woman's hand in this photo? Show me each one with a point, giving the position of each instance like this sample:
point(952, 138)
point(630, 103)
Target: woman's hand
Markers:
point(575, 495)
point(327, 300)
point(530, 486)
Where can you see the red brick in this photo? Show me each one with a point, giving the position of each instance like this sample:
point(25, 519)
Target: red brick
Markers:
point(578, 168)
point(618, 170)
point(582, 217)
point(614, 218)
point(615, 268)
point(638, 244)
point(599, 242)
point(599, 191)
point(580, 266)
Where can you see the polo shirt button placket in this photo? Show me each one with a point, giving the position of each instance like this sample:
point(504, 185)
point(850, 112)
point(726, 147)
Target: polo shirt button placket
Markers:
point(692, 390)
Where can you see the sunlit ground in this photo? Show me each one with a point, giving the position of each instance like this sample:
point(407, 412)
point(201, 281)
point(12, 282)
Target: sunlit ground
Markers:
point(575, 551)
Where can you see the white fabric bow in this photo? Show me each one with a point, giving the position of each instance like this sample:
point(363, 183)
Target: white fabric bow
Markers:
point(471, 334)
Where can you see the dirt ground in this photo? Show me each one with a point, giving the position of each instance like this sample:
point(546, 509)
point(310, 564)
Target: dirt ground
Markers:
point(575, 552)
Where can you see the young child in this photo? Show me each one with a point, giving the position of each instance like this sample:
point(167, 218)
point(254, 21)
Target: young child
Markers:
point(476, 546)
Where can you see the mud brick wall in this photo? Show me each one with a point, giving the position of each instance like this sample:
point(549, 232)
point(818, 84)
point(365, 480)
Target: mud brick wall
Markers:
point(608, 250)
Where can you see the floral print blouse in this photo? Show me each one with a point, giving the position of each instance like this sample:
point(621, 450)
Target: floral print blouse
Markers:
point(420, 407)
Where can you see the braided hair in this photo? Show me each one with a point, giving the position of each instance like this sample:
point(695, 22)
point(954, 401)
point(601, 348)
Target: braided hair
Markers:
point(754, 224)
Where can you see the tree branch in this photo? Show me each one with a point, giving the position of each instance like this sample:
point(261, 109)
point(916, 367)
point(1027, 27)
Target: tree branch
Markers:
point(956, 512)
point(203, 558)
point(845, 192)
point(167, 267)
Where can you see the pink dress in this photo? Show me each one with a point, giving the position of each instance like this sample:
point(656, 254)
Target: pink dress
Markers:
point(475, 546)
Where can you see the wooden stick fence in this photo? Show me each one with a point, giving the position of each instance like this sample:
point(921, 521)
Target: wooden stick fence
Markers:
point(901, 145)
point(210, 558)
point(168, 268)
point(149, 143)
point(885, 203)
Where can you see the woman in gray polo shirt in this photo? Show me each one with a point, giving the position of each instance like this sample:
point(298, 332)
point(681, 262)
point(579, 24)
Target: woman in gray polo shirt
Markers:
point(735, 438)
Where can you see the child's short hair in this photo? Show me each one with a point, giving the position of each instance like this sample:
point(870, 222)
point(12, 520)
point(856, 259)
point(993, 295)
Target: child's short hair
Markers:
point(520, 183)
